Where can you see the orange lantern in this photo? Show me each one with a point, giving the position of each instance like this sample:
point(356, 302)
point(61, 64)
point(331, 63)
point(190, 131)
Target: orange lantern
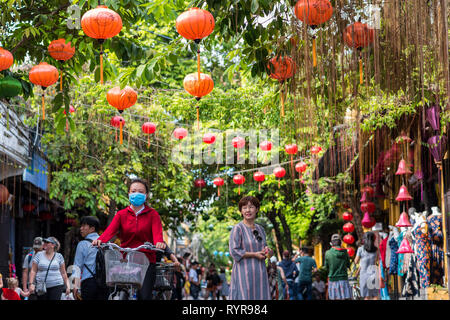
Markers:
point(118, 122)
point(61, 51)
point(43, 75)
point(121, 99)
point(6, 59)
point(101, 23)
point(198, 85)
point(281, 69)
point(358, 35)
point(313, 13)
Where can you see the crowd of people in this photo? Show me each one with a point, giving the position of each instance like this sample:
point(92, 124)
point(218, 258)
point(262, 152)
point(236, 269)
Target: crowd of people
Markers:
point(256, 273)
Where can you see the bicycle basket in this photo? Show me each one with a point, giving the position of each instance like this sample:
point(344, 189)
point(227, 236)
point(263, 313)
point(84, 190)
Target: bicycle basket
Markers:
point(164, 277)
point(129, 270)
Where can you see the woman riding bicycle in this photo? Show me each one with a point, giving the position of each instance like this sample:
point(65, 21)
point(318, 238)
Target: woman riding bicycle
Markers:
point(135, 225)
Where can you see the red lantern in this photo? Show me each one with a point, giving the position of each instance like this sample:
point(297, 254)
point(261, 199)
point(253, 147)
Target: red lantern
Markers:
point(45, 216)
point(180, 133)
point(403, 168)
point(348, 239)
point(347, 216)
point(200, 183)
point(238, 143)
point(101, 23)
point(209, 138)
point(313, 13)
point(259, 177)
point(368, 190)
point(43, 75)
point(291, 149)
point(218, 182)
point(121, 99)
point(4, 194)
point(350, 251)
point(403, 194)
point(6, 59)
point(279, 172)
point(405, 247)
point(29, 207)
point(315, 150)
point(148, 128)
point(61, 51)
point(239, 179)
point(71, 110)
point(368, 221)
point(403, 221)
point(281, 69)
point(266, 145)
point(301, 168)
point(118, 122)
point(348, 227)
point(368, 207)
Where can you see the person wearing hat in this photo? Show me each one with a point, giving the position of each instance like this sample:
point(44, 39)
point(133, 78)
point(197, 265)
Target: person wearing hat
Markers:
point(28, 263)
point(49, 271)
point(337, 262)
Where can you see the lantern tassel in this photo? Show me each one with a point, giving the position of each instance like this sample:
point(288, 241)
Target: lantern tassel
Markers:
point(200, 193)
point(239, 190)
point(148, 141)
point(67, 125)
point(360, 71)
point(198, 63)
point(101, 64)
point(61, 81)
point(278, 184)
point(43, 107)
point(121, 133)
point(282, 103)
point(198, 118)
point(116, 134)
point(314, 51)
point(259, 187)
point(218, 191)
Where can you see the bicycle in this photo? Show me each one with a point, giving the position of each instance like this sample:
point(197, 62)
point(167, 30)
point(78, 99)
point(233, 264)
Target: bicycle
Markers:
point(356, 292)
point(163, 287)
point(125, 269)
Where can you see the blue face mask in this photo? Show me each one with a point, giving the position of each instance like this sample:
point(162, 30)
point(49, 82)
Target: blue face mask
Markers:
point(137, 199)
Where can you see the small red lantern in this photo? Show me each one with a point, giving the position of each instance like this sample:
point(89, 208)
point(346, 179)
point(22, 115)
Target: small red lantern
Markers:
point(315, 150)
point(259, 177)
point(368, 221)
point(28, 207)
point(403, 194)
point(218, 182)
point(348, 239)
point(281, 69)
point(347, 216)
point(368, 207)
point(45, 216)
point(148, 128)
point(348, 227)
point(279, 172)
point(239, 179)
point(180, 133)
point(71, 110)
point(238, 142)
point(350, 251)
point(118, 122)
point(291, 149)
point(369, 190)
point(200, 183)
point(209, 138)
point(265, 146)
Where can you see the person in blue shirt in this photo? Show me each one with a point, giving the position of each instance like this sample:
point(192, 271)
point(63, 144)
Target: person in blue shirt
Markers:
point(307, 267)
point(85, 260)
point(291, 272)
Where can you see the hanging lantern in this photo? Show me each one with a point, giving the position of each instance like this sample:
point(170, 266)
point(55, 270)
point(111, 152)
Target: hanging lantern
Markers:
point(367, 221)
point(403, 221)
point(316, 150)
point(369, 191)
point(10, 87)
point(198, 85)
point(364, 197)
point(239, 179)
point(403, 194)
point(148, 128)
point(347, 216)
point(291, 149)
point(118, 122)
point(101, 23)
point(265, 146)
point(180, 133)
point(71, 110)
point(195, 24)
point(405, 247)
point(279, 172)
point(350, 251)
point(259, 177)
point(358, 35)
point(43, 75)
point(199, 183)
point(368, 207)
point(29, 207)
point(238, 143)
point(402, 168)
point(121, 99)
point(218, 182)
point(348, 239)
point(45, 216)
point(313, 13)
point(209, 138)
point(61, 51)
point(4, 194)
point(301, 168)
point(281, 69)
point(348, 227)
point(6, 59)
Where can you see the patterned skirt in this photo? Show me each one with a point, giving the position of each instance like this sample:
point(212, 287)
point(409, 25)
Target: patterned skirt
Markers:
point(339, 290)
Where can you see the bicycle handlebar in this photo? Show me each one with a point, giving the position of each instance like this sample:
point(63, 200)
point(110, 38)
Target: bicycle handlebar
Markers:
point(146, 245)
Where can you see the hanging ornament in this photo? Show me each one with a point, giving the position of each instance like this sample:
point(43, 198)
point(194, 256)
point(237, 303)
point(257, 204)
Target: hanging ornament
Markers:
point(218, 182)
point(403, 194)
point(369, 190)
point(198, 85)
point(121, 99)
point(368, 207)
point(315, 150)
point(405, 247)
point(61, 51)
point(148, 128)
point(6, 59)
point(10, 87)
point(350, 251)
point(403, 221)
point(238, 143)
point(101, 23)
point(348, 227)
point(348, 239)
point(402, 168)
point(367, 221)
point(239, 179)
point(118, 122)
point(301, 168)
point(291, 149)
point(4, 194)
point(195, 24)
point(209, 138)
point(199, 183)
point(43, 75)
point(279, 173)
point(265, 146)
point(347, 216)
point(281, 69)
point(364, 197)
point(313, 13)
point(71, 110)
point(259, 177)
point(180, 133)
point(358, 35)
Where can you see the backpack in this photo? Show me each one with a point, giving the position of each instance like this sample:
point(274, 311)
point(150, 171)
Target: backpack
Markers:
point(100, 269)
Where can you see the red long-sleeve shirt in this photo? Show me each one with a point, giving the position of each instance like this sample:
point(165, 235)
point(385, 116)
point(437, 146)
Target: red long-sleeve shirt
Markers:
point(134, 230)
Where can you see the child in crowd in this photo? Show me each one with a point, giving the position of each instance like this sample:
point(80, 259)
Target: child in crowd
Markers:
point(13, 284)
point(318, 288)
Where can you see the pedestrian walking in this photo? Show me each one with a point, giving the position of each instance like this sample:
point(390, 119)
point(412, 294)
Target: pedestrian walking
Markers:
point(179, 283)
point(337, 263)
point(318, 288)
point(49, 271)
point(212, 282)
point(307, 267)
point(28, 263)
point(249, 250)
point(290, 272)
point(367, 257)
point(194, 281)
point(224, 288)
point(135, 225)
point(85, 260)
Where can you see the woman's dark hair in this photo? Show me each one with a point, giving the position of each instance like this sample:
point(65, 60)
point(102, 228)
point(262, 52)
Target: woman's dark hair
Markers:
point(249, 199)
point(369, 242)
point(138, 181)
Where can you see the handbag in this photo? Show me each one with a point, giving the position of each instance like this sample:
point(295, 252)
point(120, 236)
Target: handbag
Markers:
point(41, 287)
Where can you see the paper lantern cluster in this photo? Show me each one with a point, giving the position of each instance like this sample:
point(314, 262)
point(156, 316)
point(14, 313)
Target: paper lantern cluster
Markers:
point(348, 228)
point(367, 207)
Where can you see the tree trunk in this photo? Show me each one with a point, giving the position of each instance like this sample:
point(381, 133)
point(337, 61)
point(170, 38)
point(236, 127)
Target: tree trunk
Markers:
point(112, 210)
point(276, 227)
point(287, 231)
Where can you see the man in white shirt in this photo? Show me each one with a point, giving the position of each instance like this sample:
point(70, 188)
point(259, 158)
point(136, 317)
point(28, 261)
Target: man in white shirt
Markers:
point(193, 279)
